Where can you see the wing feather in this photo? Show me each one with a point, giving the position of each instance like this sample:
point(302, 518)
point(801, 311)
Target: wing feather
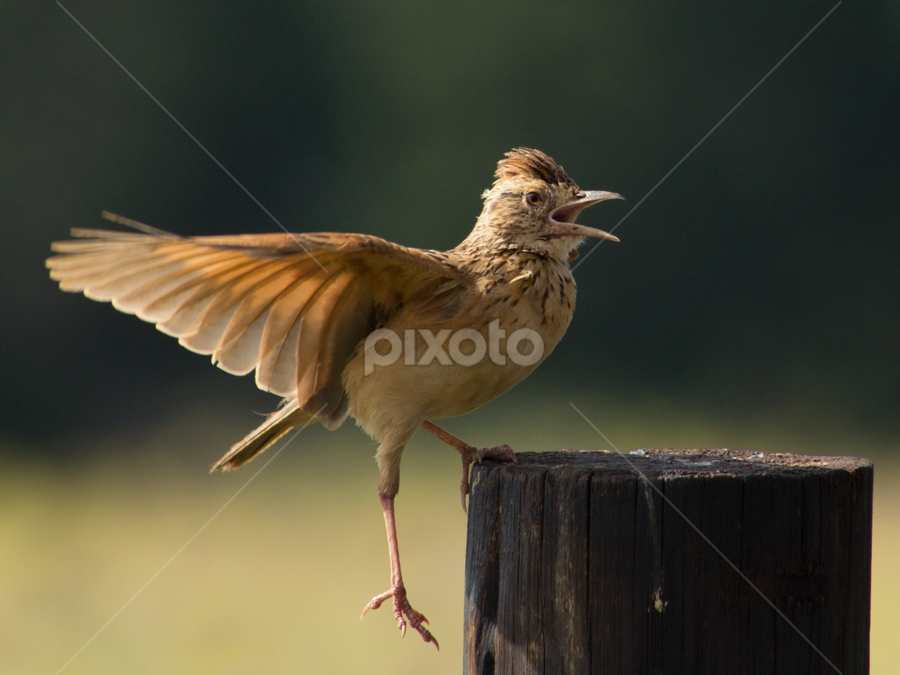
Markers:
point(277, 371)
point(137, 294)
point(294, 308)
point(241, 354)
point(192, 311)
point(174, 293)
point(278, 345)
point(330, 299)
point(346, 320)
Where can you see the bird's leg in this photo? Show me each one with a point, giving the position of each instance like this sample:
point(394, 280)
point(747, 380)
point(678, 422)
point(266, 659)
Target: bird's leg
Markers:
point(469, 453)
point(403, 612)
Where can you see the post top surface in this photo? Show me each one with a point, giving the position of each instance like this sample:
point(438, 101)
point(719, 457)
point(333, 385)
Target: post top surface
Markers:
point(674, 462)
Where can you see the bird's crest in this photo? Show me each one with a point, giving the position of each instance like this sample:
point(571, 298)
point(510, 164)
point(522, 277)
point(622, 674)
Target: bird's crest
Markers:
point(531, 164)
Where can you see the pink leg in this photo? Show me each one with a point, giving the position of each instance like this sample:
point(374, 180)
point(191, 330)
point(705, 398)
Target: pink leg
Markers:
point(469, 453)
point(403, 612)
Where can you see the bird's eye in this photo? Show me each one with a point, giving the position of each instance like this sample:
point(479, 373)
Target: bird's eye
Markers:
point(533, 198)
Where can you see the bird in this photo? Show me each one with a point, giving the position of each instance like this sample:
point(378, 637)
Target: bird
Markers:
point(352, 325)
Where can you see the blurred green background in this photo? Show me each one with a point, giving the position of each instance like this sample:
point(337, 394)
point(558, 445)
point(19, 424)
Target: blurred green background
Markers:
point(754, 301)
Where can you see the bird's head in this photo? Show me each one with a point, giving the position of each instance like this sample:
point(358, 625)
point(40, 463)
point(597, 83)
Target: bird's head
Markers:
point(532, 206)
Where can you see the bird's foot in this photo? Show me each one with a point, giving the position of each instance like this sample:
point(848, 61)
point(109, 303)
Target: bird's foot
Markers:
point(472, 454)
point(403, 613)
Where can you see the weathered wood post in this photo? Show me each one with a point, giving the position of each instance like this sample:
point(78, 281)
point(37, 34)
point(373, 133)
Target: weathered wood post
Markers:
point(669, 561)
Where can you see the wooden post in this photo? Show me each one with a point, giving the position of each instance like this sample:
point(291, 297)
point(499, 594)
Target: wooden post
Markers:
point(589, 562)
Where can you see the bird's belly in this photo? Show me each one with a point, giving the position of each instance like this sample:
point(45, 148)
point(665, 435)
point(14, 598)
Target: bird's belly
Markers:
point(399, 388)
point(404, 395)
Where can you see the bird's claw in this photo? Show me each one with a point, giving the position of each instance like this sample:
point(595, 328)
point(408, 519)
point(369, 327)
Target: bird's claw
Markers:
point(475, 455)
point(403, 613)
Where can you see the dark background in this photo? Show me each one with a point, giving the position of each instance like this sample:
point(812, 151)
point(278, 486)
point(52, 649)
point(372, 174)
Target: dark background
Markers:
point(759, 281)
point(753, 302)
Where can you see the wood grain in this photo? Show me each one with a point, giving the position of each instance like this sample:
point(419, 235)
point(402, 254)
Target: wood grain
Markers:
point(589, 562)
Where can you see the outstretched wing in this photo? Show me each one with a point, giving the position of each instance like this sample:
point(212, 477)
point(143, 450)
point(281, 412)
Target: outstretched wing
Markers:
point(293, 307)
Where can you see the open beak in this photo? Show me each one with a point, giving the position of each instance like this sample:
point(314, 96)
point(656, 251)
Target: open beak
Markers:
point(563, 217)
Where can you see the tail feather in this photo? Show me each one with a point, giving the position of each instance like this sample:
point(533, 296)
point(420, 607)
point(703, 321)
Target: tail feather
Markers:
point(276, 425)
